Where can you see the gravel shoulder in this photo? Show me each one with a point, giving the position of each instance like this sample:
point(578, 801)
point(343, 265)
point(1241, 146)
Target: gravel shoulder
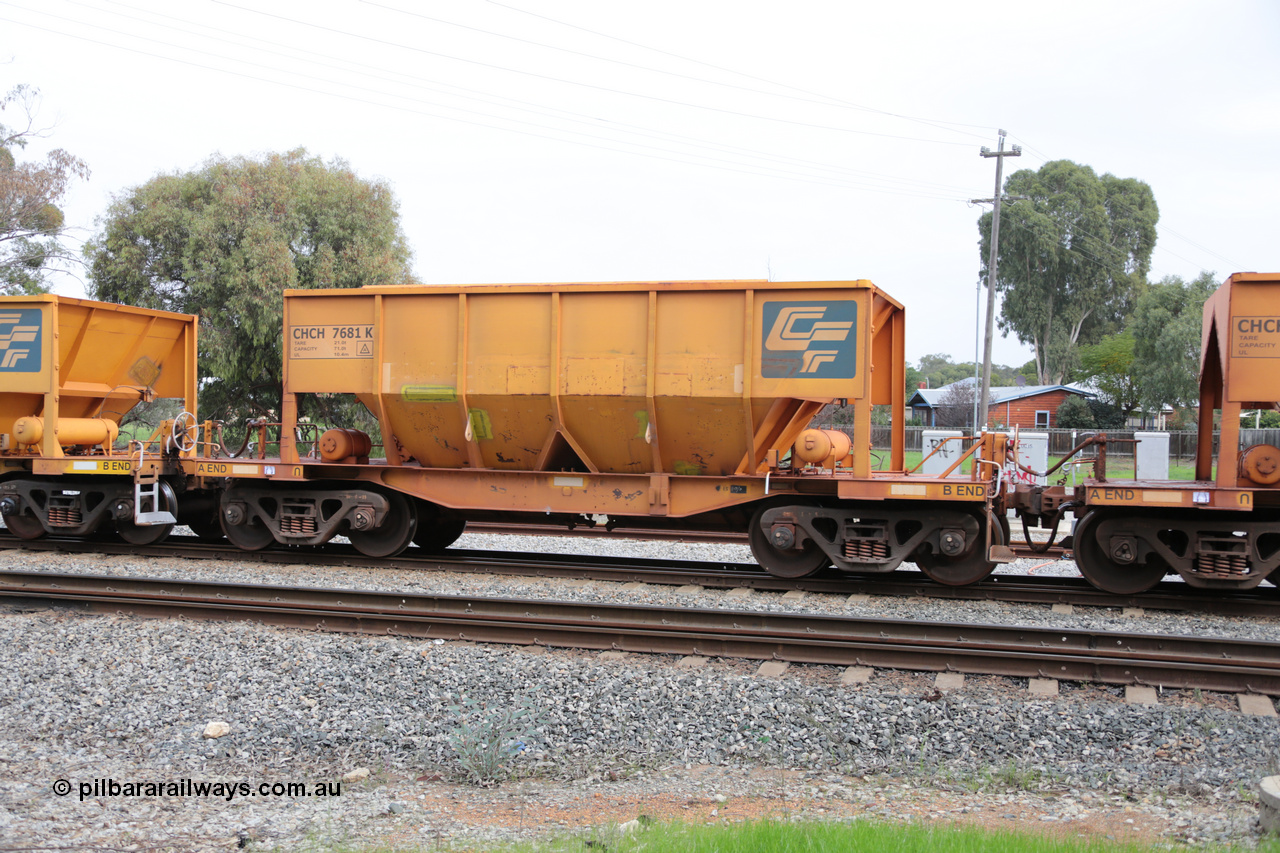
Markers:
point(593, 741)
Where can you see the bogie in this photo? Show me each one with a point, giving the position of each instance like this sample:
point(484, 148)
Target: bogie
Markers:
point(797, 537)
point(33, 508)
point(379, 523)
point(1129, 551)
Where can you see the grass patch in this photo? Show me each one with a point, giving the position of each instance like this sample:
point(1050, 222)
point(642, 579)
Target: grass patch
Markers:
point(880, 460)
point(769, 836)
point(798, 836)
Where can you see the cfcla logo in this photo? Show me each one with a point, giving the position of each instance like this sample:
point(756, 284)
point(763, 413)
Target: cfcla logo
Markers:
point(18, 329)
point(810, 339)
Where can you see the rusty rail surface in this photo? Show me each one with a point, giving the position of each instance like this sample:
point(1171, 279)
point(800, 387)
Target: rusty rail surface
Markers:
point(1020, 589)
point(1114, 658)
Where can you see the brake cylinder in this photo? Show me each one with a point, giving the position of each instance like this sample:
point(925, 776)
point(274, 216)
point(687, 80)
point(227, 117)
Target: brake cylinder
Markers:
point(1261, 464)
point(338, 444)
point(71, 431)
point(816, 446)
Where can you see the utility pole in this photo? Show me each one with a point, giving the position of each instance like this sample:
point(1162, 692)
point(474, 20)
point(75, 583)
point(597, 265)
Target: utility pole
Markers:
point(985, 389)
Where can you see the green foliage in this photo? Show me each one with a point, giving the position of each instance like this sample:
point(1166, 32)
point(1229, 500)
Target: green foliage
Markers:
point(31, 223)
point(1074, 413)
point(1260, 420)
point(1106, 416)
point(226, 240)
point(1073, 256)
point(914, 378)
point(1183, 418)
point(1166, 328)
point(1108, 364)
point(486, 739)
point(939, 370)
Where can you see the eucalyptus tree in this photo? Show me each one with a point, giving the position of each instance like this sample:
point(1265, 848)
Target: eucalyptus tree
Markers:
point(1075, 249)
point(31, 222)
point(1166, 327)
point(1109, 366)
point(226, 240)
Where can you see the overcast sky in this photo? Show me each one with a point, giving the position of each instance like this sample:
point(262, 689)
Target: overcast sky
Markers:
point(565, 140)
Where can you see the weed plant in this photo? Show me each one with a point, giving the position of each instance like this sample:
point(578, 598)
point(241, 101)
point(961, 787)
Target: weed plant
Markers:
point(486, 739)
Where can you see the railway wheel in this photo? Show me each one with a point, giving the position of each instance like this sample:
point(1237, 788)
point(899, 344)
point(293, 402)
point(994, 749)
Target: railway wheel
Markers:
point(968, 567)
point(1105, 573)
point(436, 531)
point(25, 526)
point(790, 563)
point(250, 535)
point(149, 534)
point(394, 534)
point(1003, 520)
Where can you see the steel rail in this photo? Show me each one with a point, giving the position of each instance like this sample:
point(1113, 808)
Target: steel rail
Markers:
point(1074, 655)
point(655, 534)
point(1018, 547)
point(1177, 596)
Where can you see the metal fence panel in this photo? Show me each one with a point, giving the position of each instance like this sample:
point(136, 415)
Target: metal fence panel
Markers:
point(1182, 443)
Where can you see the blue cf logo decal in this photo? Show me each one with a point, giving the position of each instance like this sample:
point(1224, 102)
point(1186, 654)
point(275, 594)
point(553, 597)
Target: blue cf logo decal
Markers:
point(810, 340)
point(20, 340)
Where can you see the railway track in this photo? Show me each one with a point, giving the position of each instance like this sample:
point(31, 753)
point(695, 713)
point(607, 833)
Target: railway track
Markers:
point(1113, 658)
point(1024, 589)
point(1018, 547)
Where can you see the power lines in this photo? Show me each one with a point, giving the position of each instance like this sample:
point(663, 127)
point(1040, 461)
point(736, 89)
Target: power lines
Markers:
point(561, 78)
point(378, 84)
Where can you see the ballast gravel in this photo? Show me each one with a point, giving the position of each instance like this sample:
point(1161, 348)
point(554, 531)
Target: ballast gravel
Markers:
point(583, 741)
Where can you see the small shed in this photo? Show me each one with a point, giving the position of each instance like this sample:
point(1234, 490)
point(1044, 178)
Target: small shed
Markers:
point(1023, 406)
